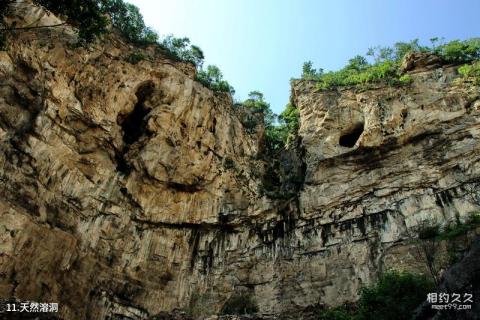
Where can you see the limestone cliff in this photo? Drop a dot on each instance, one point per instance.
(127, 189)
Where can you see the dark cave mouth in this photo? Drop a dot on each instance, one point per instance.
(351, 136)
(133, 125)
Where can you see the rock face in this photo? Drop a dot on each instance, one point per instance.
(464, 276)
(130, 189)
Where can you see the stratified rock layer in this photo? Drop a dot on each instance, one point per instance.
(130, 189)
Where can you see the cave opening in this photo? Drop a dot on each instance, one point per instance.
(133, 125)
(351, 136)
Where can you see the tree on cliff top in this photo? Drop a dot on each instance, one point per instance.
(92, 17)
(384, 64)
(278, 129)
(257, 103)
(212, 78)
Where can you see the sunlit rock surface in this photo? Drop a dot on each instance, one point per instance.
(130, 189)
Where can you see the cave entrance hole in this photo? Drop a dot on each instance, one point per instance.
(351, 136)
(134, 124)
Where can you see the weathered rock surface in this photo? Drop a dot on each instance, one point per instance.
(129, 189)
(462, 277)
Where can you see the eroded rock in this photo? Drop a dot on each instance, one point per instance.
(131, 190)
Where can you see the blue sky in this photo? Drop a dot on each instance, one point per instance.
(262, 44)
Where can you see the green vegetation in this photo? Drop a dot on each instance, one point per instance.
(87, 15)
(289, 122)
(459, 51)
(383, 63)
(339, 313)
(238, 304)
(135, 57)
(128, 20)
(257, 103)
(394, 297)
(471, 72)
(405, 79)
(354, 74)
(212, 78)
(92, 18)
(455, 230)
(286, 128)
(278, 129)
(309, 73)
(181, 49)
(384, 68)
(430, 238)
(452, 230)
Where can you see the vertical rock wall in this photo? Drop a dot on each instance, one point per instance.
(129, 189)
